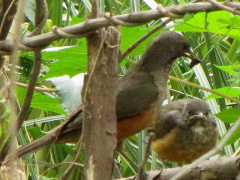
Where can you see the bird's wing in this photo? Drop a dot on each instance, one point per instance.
(166, 122)
(136, 93)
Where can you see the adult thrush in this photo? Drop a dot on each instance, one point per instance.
(140, 93)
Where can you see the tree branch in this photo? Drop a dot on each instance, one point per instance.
(99, 99)
(220, 169)
(223, 7)
(41, 41)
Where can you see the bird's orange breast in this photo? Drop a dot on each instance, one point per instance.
(169, 149)
(133, 125)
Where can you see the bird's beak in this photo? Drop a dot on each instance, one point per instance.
(198, 120)
(189, 54)
(199, 116)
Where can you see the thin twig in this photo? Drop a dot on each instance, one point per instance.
(72, 165)
(11, 100)
(218, 148)
(236, 152)
(56, 165)
(145, 36)
(41, 16)
(7, 13)
(132, 163)
(8, 18)
(118, 173)
(32, 82)
(203, 88)
(39, 89)
(142, 174)
(223, 7)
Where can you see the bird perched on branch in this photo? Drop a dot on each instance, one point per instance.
(184, 131)
(140, 93)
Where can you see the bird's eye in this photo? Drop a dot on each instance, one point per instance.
(185, 48)
(208, 111)
(190, 113)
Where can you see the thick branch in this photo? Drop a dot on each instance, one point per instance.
(93, 24)
(99, 99)
(220, 169)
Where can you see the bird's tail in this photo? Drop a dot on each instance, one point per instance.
(31, 147)
(37, 144)
(69, 131)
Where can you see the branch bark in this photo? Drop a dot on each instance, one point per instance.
(41, 41)
(99, 98)
(220, 169)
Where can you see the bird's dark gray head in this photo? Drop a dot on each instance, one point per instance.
(197, 113)
(174, 43)
(166, 48)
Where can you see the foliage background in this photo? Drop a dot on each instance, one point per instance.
(214, 38)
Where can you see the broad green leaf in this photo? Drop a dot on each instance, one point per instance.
(47, 103)
(229, 69)
(46, 178)
(35, 131)
(131, 35)
(51, 173)
(41, 101)
(194, 24)
(69, 61)
(229, 91)
(220, 22)
(229, 115)
(21, 92)
(76, 20)
(235, 137)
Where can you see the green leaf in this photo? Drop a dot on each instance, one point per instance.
(235, 137)
(194, 24)
(40, 101)
(76, 20)
(51, 173)
(69, 61)
(21, 92)
(228, 115)
(229, 69)
(35, 131)
(131, 35)
(47, 103)
(229, 91)
(220, 22)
